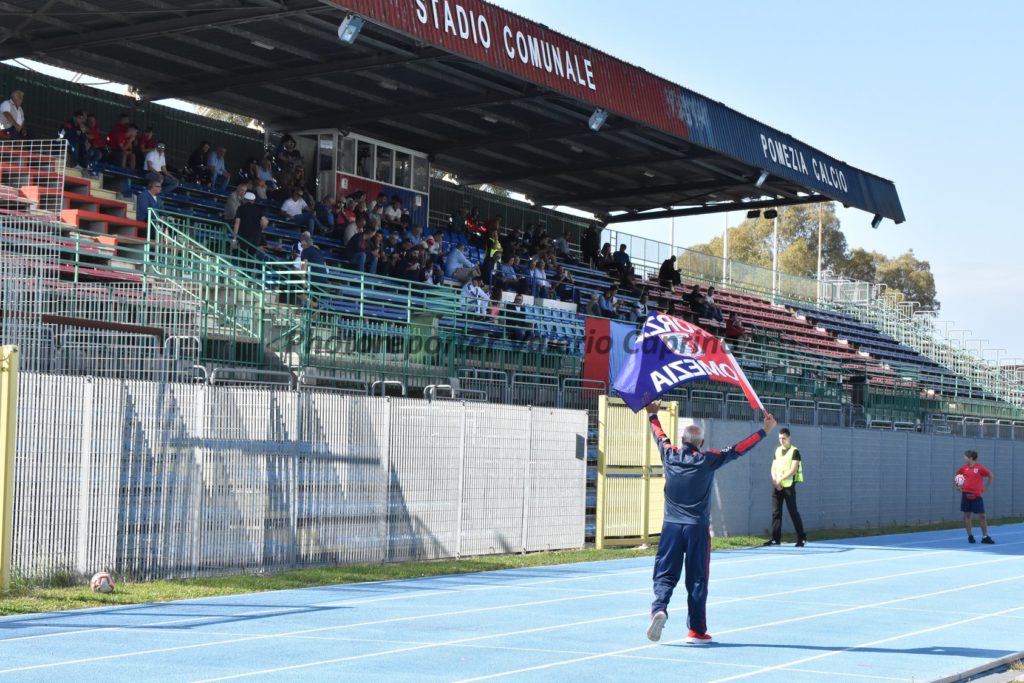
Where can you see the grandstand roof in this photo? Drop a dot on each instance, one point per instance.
(488, 94)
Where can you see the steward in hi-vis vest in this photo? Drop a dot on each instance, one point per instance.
(787, 469)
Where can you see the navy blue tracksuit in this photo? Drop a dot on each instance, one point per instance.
(686, 531)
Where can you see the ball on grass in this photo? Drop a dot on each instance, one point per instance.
(102, 582)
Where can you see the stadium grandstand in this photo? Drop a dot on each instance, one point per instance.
(144, 244)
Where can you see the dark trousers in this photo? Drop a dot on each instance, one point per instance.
(788, 494)
(683, 546)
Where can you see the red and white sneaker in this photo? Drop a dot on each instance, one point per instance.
(694, 638)
(658, 620)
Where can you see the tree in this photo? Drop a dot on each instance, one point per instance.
(225, 116)
(752, 240)
(911, 277)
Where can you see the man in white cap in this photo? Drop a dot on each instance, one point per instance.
(248, 226)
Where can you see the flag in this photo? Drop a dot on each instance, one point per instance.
(669, 352)
(607, 345)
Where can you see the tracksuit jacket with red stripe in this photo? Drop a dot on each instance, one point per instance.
(690, 473)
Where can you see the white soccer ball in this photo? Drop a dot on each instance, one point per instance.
(958, 481)
(102, 582)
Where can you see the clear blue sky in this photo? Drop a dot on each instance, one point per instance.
(928, 95)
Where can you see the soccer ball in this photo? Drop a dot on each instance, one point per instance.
(102, 582)
(958, 481)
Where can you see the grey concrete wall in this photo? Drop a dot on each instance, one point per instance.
(858, 478)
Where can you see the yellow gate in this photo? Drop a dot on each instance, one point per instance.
(630, 482)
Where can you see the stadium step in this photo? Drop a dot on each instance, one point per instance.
(101, 222)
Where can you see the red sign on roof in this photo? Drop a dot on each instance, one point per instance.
(495, 37)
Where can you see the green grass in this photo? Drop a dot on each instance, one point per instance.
(63, 591)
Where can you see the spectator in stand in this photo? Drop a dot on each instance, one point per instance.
(313, 260)
(414, 235)
(361, 252)
(476, 228)
(115, 140)
(148, 199)
(432, 273)
(217, 168)
(517, 326)
(249, 172)
(391, 254)
(668, 275)
(145, 143)
(711, 309)
(474, 296)
(590, 244)
(234, 201)
(507, 278)
(324, 212)
(266, 173)
(97, 140)
(76, 133)
(735, 330)
(156, 162)
(565, 286)
(488, 266)
(391, 216)
(250, 222)
(411, 266)
(458, 226)
(458, 266)
(436, 246)
(641, 308)
(12, 117)
(607, 304)
(695, 300)
(289, 160)
(298, 212)
(605, 259)
(346, 221)
(622, 261)
(539, 284)
(195, 168)
(561, 247)
(131, 135)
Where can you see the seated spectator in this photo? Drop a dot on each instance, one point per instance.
(507, 278)
(249, 172)
(539, 284)
(476, 228)
(348, 222)
(435, 246)
(711, 309)
(131, 134)
(115, 140)
(391, 253)
(622, 261)
(590, 244)
(148, 199)
(605, 259)
(361, 252)
(234, 201)
(517, 326)
(324, 212)
(250, 222)
(458, 266)
(607, 304)
(735, 330)
(298, 212)
(156, 163)
(97, 140)
(695, 300)
(410, 267)
(391, 215)
(217, 169)
(641, 308)
(265, 172)
(144, 144)
(565, 286)
(195, 168)
(12, 117)
(432, 272)
(414, 235)
(668, 275)
(76, 133)
(561, 247)
(474, 297)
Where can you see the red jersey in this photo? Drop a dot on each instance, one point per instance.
(973, 476)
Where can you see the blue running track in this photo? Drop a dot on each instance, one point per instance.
(894, 608)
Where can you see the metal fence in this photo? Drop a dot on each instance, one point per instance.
(156, 479)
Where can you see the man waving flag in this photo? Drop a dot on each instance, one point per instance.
(669, 352)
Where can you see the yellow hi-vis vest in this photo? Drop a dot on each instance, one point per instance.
(782, 464)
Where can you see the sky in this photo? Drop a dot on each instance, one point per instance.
(927, 95)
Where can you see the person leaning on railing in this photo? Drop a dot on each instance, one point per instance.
(250, 222)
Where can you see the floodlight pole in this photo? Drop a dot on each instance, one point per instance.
(725, 249)
(775, 258)
(819, 246)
